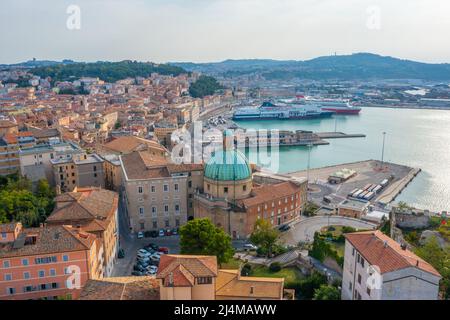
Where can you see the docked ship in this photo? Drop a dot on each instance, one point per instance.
(339, 106)
(270, 111)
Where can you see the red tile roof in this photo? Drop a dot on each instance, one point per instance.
(49, 239)
(94, 205)
(121, 288)
(184, 268)
(382, 251)
(270, 192)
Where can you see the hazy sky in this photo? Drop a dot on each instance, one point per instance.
(213, 30)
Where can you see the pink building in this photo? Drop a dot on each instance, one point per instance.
(48, 262)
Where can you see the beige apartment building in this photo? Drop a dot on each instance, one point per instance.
(35, 161)
(157, 192)
(10, 145)
(124, 145)
(78, 170)
(94, 210)
(112, 172)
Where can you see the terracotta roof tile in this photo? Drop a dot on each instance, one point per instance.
(49, 239)
(186, 267)
(85, 204)
(128, 144)
(382, 251)
(121, 288)
(270, 192)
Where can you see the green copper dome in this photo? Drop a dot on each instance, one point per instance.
(228, 165)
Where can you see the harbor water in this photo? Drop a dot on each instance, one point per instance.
(416, 138)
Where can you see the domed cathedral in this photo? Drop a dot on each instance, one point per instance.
(234, 196)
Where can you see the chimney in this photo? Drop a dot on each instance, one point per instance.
(417, 263)
(385, 243)
(171, 279)
(403, 246)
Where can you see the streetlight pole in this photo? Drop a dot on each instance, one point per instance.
(382, 150)
(309, 160)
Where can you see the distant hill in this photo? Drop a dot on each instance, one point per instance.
(35, 63)
(356, 66)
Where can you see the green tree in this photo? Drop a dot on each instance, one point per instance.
(440, 259)
(204, 86)
(201, 236)
(305, 288)
(264, 235)
(327, 292)
(320, 248)
(19, 203)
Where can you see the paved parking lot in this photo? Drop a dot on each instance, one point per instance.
(124, 266)
(368, 172)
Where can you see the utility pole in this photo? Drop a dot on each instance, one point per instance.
(307, 170)
(382, 150)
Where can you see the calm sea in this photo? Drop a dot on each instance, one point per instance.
(416, 138)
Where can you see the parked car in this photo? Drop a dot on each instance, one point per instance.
(153, 246)
(143, 255)
(152, 269)
(174, 231)
(154, 234)
(161, 232)
(138, 267)
(145, 264)
(168, 232)
(164, 250)
(121, 253)
(284, 228)
(250, 246)
(155, 257)
(142, 258)
(140, 235)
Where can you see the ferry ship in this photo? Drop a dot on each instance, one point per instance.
(270, 111)
(339, 106)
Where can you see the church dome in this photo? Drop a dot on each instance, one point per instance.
(228, 165)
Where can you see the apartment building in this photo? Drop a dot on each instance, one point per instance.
(78, 170)
(36, 161)
(378, 268)
(10, 145)
(47, 262)
(112, 171)
(156, 191)
(95, 211)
